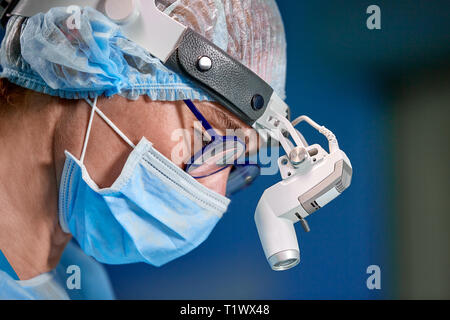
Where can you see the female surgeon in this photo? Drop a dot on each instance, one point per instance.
(87, 120)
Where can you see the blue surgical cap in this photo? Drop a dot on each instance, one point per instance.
(45, 54)
(2, 35)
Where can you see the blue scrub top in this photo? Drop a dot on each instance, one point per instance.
(94, 281)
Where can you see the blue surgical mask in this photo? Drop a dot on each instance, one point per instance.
(154, 212)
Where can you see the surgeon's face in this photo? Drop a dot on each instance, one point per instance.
(160, 122)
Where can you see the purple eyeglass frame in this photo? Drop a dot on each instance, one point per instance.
(216, 139)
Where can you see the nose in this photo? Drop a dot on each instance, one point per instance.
(217, 182)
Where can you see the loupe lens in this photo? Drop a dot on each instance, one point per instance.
(215, 157)
(241, 176)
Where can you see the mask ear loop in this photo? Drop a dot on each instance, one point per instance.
(95, 109)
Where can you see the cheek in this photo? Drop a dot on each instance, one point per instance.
(170, 137)
(217, 182)
(174, 144)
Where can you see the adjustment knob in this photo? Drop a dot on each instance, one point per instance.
(298, 155)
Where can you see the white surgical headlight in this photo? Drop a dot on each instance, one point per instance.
(311, 177)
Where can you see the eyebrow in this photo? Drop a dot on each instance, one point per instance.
(219, 119)
(223, 120)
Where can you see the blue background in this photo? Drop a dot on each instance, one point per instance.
(338, 72)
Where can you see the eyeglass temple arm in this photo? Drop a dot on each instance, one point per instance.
(200, 117)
